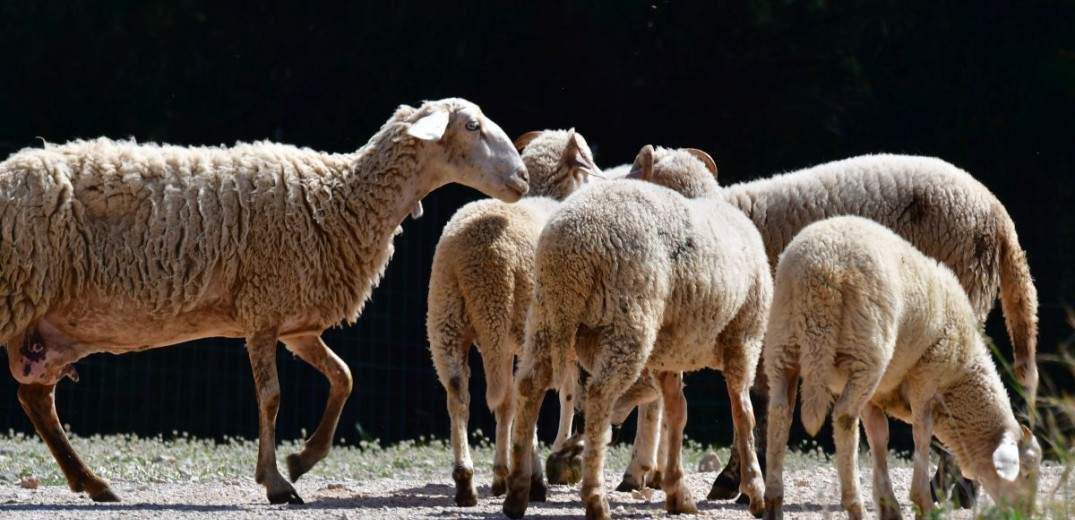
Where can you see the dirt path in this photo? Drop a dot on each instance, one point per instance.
(811, 494)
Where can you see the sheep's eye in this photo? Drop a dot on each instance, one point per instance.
(473, 125)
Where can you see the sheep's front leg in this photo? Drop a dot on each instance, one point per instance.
(678, 497)
(313, 350)
(876, 426)
(922, 431)
(262, 350)
(39, 403)
(750, 479)
(781, 400)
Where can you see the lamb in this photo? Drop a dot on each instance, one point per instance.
(111, 246)
(939, 208)
(480, 289)
(860, 313)
(631, 275)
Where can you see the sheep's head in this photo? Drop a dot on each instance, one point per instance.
(689, 171)
(559, 162)
(461, 145)
(1013, 481)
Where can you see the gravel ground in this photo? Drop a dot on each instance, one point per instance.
(811, 494)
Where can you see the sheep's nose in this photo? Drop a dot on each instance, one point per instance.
(523, 174)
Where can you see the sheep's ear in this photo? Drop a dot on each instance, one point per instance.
(1006, 459)
(643, 166)
(1027, 434)
(525, 139)
(577, 153)
(709, 163)
(430, 127)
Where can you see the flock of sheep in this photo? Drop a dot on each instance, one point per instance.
(867, 279)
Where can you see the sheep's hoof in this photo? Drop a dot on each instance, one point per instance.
(627, 485)
(889, 511)
(515, 503)
(564, 467)
(655, 481)
(465, 495)
(680, 503)
(287, 496)
(295, 467)
(105, 495)
(966, 493)
(538, 490)
(725, 487)
(597, 508)
(499, 487)
(774, 508)
(756, 507)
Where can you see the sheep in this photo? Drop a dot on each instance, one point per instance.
(861, 314)
(113, 246)
(480, 288)
(939, 208)
(632, 275)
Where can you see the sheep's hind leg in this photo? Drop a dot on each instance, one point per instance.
(453, 371)
(261, 348)
(750, 477)
(39, 403)
(876, 425)
(313, 350)
(678, 497)
(644, 453)
(564, 464)
(498, 397)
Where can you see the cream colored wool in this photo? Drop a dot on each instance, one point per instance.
(661, 281)
(113, 246)
(859, 313)
(480, 288)
(939, 208)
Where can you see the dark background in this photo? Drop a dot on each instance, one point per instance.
(763, 86)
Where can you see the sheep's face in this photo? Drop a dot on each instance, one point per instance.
(689, 171)
(559, 162)
(1016, 464)
(462, 145)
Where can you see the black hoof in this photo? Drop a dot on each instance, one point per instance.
(105, 496)
(514, 505)
(465, 498)
(499, 487)
(538, 490)
(723, 490)
(743, 500)
(287, 497)
(626, 486)
(294, 467)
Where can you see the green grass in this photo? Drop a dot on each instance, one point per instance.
(181, 458)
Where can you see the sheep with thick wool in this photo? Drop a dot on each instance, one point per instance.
(657, 280)
(112, 246)
(861, 314)
(480, 289)
(939, 208)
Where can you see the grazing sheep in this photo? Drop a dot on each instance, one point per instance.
(657, 280)
(480, 289)
(942, 210)
(111, 246)
(860, 313)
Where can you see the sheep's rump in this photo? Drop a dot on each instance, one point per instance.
(157, 224)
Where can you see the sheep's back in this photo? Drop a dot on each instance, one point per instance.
(940, 209)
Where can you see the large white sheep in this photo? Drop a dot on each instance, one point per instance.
(859, 313)
(653, 279)
(939, 208)
(480, 289)
(110, 246)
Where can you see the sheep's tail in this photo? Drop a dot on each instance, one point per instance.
(803, 332)
(816, 398)
(1019, 300)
